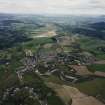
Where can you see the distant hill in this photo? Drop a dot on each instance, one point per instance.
(15, 28)
(93, 30)
(98, 26)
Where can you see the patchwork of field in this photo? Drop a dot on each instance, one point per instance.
(55, 52)
(92, 45)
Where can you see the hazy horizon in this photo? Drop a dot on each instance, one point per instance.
(66, 7)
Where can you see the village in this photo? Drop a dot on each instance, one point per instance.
(68, 66)
(52, 60)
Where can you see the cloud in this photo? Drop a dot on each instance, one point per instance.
(53, 6)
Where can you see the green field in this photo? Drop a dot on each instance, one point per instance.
(93, 88)
(96, 67)
(54, 100)
(35, 43)
(90, 44)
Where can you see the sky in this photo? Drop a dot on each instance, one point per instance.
(91, 7)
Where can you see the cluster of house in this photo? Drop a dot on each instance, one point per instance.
(31, 62)
(46, 55)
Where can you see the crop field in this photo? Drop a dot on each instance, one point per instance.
(96, 67)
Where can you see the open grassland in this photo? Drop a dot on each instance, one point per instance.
(94, 88)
